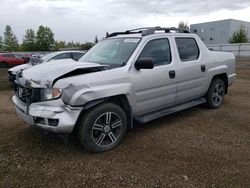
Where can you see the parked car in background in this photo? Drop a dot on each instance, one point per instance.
(12, 59)
(75, 55)
(39, 55)
(37, 59)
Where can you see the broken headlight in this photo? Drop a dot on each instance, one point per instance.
(51, 93)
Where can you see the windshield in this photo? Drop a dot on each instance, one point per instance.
(49, 56)
(112, 51)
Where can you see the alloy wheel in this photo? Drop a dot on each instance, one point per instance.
(106, 129)
(218, 94)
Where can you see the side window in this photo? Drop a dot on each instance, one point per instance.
(18, 56)
(187, 48)
(159, 50)
(76, 56)
(62, 56)
(8, 55)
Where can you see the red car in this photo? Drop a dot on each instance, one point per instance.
(11, 59)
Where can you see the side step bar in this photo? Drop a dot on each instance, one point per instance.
(154, 115)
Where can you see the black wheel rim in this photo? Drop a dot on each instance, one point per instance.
(218, 94)
(106, 129)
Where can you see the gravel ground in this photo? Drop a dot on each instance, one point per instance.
(194, 148)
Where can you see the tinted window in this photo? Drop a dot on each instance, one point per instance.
(76, 56)
(159, 50)
(187, 48)
(63, 56)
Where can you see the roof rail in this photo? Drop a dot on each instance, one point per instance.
(149, 31)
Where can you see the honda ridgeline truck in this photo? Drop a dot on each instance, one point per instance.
(133, 76)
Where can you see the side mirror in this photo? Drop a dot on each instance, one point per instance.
(144, 63)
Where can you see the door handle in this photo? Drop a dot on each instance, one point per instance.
(203, 68)
(172, 74)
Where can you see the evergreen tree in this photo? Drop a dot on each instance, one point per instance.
(239, 36)
(45, 39)
(10, 39)
(183, 25)
(86, 46)
(1, 43)
(70, 44)
(96, 40)
(60, 44)
(29, 41)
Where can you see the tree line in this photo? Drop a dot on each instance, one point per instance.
(41, 40)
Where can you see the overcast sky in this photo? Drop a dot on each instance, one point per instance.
(81, 20)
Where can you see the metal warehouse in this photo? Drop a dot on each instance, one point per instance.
(218, 32)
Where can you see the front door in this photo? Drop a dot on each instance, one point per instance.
(154, 89)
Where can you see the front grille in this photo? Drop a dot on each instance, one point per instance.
(27, 95)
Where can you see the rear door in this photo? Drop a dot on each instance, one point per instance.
(155, 88)
(192, 72)
(19, 59)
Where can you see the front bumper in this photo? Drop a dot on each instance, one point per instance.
(65, 115)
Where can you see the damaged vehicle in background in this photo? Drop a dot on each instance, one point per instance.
(137, 75)
(35, 60)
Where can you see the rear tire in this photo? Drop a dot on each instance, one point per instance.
(215, 94)
(102, 128)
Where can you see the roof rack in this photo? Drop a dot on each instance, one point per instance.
(149, 31)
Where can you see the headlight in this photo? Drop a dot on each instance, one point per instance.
(51, 93)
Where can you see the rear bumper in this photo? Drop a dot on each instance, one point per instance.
(231, 79)
(65, 116)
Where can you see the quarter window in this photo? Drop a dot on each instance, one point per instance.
(158, 50)
(187, 48)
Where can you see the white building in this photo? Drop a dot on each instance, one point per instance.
(218, 32)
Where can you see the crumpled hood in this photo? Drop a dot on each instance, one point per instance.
(44, 74)
(15, 69)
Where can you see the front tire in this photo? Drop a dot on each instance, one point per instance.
(102, 128)
(215, 94)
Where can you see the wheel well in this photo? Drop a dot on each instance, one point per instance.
(120, 100)
(224, 78)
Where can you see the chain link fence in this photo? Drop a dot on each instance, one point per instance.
(240, 50)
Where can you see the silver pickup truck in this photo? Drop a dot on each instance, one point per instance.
(132, 76)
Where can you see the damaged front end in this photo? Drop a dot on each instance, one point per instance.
(44, 108)
(41, 105)
(24, 91)
(29, 91)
